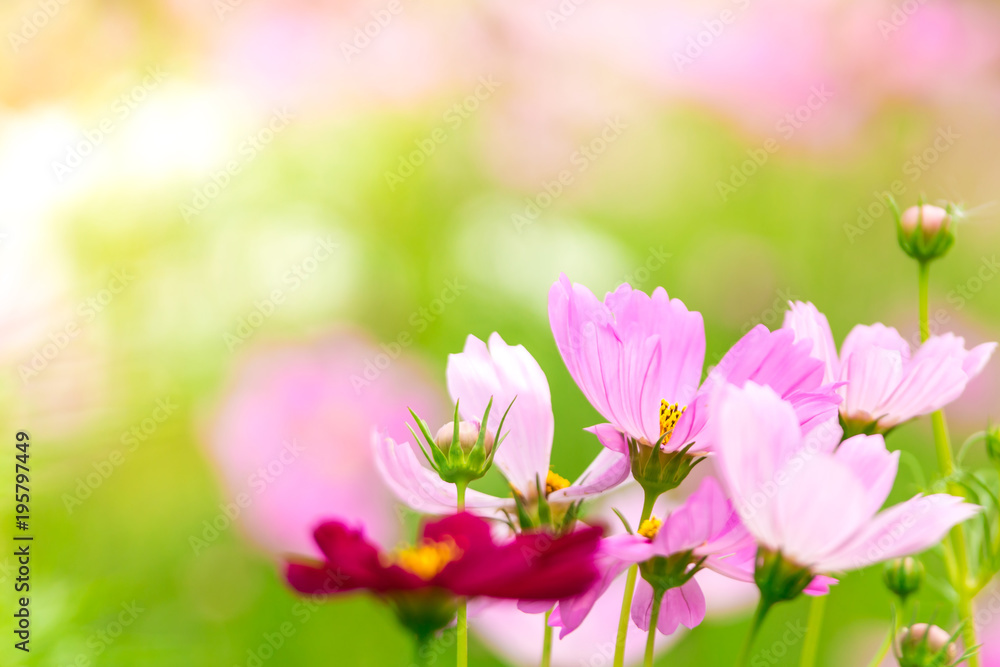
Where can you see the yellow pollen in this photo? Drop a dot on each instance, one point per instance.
(428, 559)
(554, 482)
(650, 527)
(670, 414)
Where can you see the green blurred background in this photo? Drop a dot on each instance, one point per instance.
(119, 128)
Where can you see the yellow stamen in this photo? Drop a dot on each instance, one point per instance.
(650, 527)
(428, 559)
(670, 414)
(554, 482)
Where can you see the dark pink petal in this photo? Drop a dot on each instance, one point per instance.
(534, 566)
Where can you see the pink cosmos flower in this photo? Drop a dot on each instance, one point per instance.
(704, 532)
(290, 437)
(813, 502)
(457, 554)
(884, 384)
(503, 372)
(638, 358)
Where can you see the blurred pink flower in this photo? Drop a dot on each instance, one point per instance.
(502, 372)
(291, 438)
(883, 384)
(814, 499)
(988, 626)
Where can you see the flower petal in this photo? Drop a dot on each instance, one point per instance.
(873, 466)
(607, 471)
(902, 530)
(503, 372)
(682, 606)
(809, 324)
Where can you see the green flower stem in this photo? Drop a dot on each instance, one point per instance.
(547, 642)
(810, 649)
(651, 638)
(422, 655)
(763, 607)
(462, 627)
(942, 443)
(633, 573)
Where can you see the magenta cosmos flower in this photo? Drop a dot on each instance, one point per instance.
(884, 383)
(638, 359)
(455, 557)
(503, 372)
(813, 502)
(704, 532)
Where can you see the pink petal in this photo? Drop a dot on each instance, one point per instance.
(756, 434)
(606, 472)
(902, 530)
(504, 372)
(876, 336)
(681, 606)
(642, 605)
(817, 508)
(872, 374)
(873, 466)
(610, 437)
(703, 515)
(811, 325)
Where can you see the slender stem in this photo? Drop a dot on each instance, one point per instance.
(924, 279)
(462, 627)
(945, 456)
(633, 573)
(893, 631)
(883, 650)
(653, 618)
(547, 642)
(763, 607)
(810, 649)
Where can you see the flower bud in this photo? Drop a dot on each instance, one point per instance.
(468, 435)
(903, 576)
(930, 219)
(926, 232)
(923, 645)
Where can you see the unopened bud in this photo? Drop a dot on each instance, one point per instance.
(926, 232)
(923, 645)
(468, 435)
(930, 219)
(903, 576)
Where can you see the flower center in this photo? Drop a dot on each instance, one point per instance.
(554, 482)
(428, 559)
(650, 527)
(670, 414)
